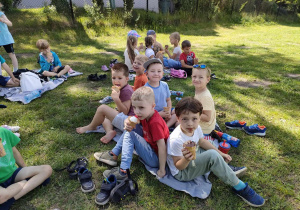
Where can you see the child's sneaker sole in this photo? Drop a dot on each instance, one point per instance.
(256, 134)
(87, 191)
(102, 203)
(108, 162)
(237, 128)
(241, 172)
(250, 204)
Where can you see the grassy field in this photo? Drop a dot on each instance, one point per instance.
(263, 54)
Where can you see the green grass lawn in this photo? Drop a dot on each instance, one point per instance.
(255, 53)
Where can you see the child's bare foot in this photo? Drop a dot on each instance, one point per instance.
(81, 130)
(108, 137)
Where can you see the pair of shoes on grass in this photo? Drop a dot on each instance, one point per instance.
(176, 93)
(166, 78)
(79, 171)
(258, 130)
(95, 77)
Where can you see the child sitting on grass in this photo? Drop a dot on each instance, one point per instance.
(186, 165)
(149, 51)
(108, 116)
(131, 51)
(138, 66)
(163, 103)
(151, 148)
(187, 57)
(157, 47)
(173, 61)
(7, 81)
(200, 79)
(49, 61)
(17, 182)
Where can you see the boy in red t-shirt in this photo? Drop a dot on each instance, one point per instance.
(151, 148)
(187, 57)
(138, 66)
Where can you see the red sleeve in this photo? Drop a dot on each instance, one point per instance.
(159, 131)
(181, 56)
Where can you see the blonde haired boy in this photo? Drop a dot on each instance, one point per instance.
(151, 147)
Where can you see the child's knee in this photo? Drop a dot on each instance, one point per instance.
(47, 170)
(67, 67)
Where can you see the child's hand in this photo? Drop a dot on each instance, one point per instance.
(196, 61)
(55, 68)
(163, 114)
(1, 19)
(127, 125)
(226, 157)
(15, 80)
(115, 94)
(187, 154)
(161, 173)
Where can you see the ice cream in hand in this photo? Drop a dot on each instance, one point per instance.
(191, 146)
(133, 121)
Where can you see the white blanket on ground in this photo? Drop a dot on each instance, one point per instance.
(15, 93)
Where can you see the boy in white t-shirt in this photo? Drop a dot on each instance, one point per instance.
(186, 166)
(174, 61)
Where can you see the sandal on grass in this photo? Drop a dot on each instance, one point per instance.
(77, 164)
(85, 178)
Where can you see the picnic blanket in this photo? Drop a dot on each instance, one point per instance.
(200, 187)
(16, 94)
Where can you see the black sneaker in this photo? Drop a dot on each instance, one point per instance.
(239, 171)
(250, 196)
(85, 178)
(107, 185)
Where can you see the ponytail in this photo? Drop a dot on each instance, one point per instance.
(131, 41)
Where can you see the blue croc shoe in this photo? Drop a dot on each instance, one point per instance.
(107, 185)
(250, 196)
(255, 130)
(85, 178)
(236, 124)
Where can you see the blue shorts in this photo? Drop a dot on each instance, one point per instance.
(4, 80)
(6, 184)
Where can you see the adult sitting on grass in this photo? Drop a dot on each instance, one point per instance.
(107, 116)
(17, 182)
(7, 81)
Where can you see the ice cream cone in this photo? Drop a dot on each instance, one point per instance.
(2, 151)
(133, 121)
(167, 109)
(191, 147)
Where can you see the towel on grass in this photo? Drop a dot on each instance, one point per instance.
(16, 94)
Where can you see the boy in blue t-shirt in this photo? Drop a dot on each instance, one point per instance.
(7, 81)
(49, 61)
(154, 71)
(16, 182)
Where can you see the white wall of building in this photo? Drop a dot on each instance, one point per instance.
(138, 4)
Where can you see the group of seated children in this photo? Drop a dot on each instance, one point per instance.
(149, 101)
(184, 59)
(153, 143)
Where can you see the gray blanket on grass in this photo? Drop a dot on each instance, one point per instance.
(200, 187)
(16, 94)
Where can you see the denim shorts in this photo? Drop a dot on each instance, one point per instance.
(4, 80)
(6, 184)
